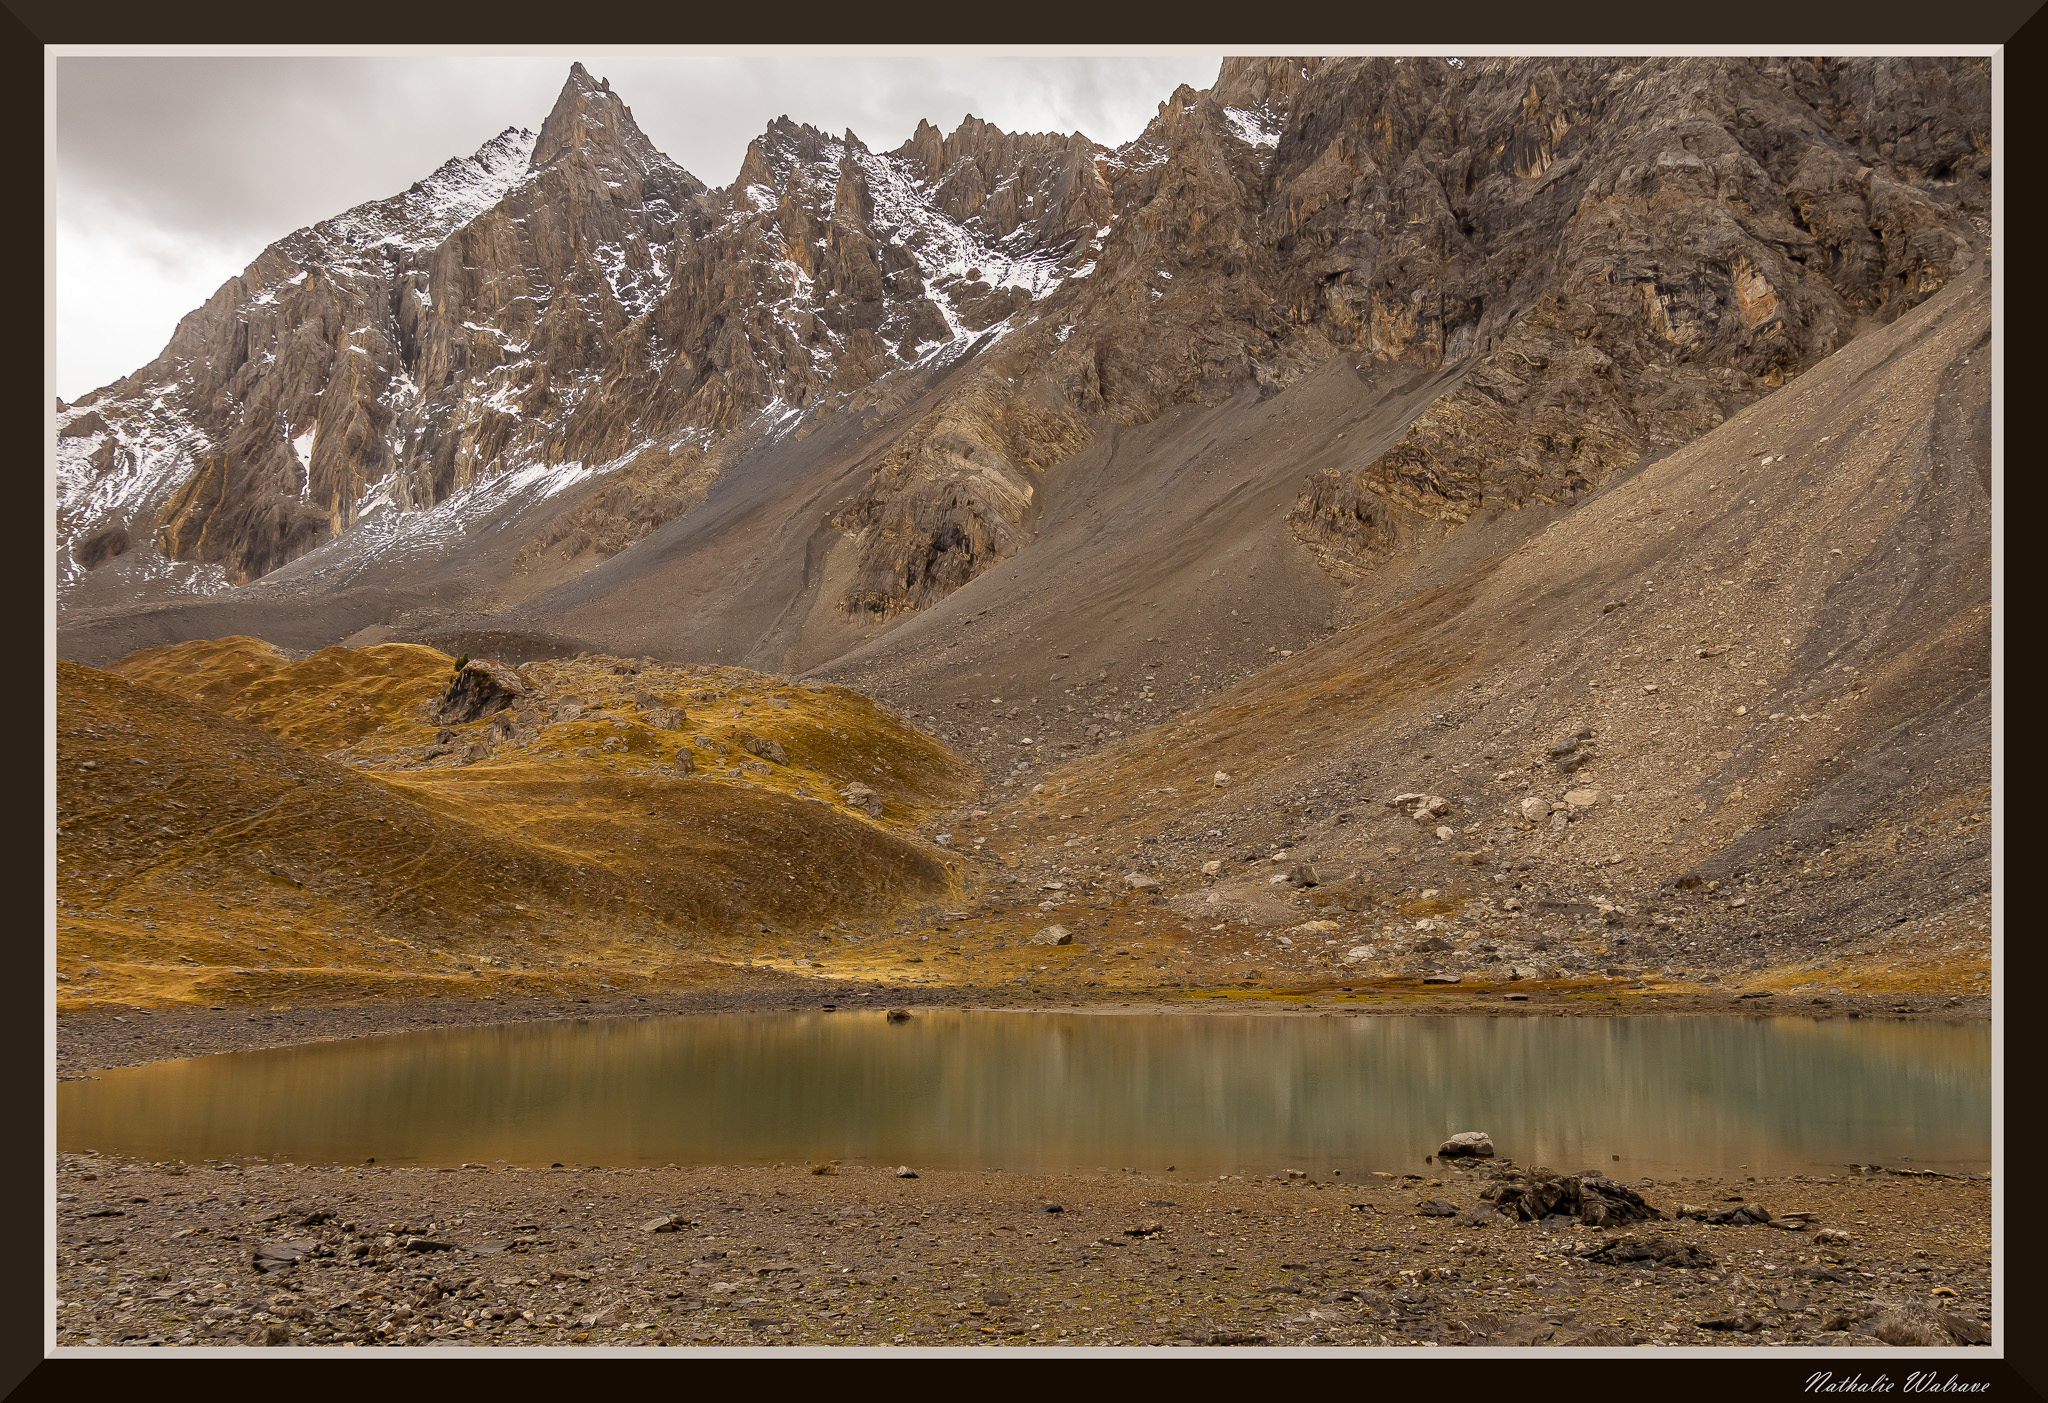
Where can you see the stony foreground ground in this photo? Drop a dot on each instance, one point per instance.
(173, 1254)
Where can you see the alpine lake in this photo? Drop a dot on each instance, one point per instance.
(1194, 1094)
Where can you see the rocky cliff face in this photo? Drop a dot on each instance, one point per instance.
(390, 358)
(1627, 255)
(1607, 256)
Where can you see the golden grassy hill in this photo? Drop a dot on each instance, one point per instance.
(203, 856)
(334, 697)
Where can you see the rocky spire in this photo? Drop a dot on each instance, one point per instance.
(591, 118)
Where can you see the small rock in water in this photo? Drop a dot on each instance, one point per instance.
(1467, 1142)
(898, 1015)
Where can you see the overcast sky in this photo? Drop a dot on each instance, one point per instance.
(173, 173)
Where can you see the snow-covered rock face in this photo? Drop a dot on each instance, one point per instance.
(544, 310)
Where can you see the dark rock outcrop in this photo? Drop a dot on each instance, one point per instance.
(478, 690)
(1536, 1194)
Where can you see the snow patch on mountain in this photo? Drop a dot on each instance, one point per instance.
(1256, 126)
(385, 530)
(946, 251)
(146, 452)
(436, 207)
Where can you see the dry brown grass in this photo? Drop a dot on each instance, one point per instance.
(233, 864)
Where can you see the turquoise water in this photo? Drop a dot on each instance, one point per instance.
(1202, 1093)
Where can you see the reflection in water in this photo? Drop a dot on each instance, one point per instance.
(1204, 1093)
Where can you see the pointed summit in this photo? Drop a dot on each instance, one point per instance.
(590, 117)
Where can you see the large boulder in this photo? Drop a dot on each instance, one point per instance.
(478, 689)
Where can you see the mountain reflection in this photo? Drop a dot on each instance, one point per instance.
(1203, 1093)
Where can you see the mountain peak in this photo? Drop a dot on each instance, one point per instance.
(589, 116)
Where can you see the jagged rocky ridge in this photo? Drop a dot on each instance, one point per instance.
(553, 306)
(1602, 257)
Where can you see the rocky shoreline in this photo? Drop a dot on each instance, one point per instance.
(266, 1254)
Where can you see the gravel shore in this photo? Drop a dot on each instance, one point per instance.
(167, 1254)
